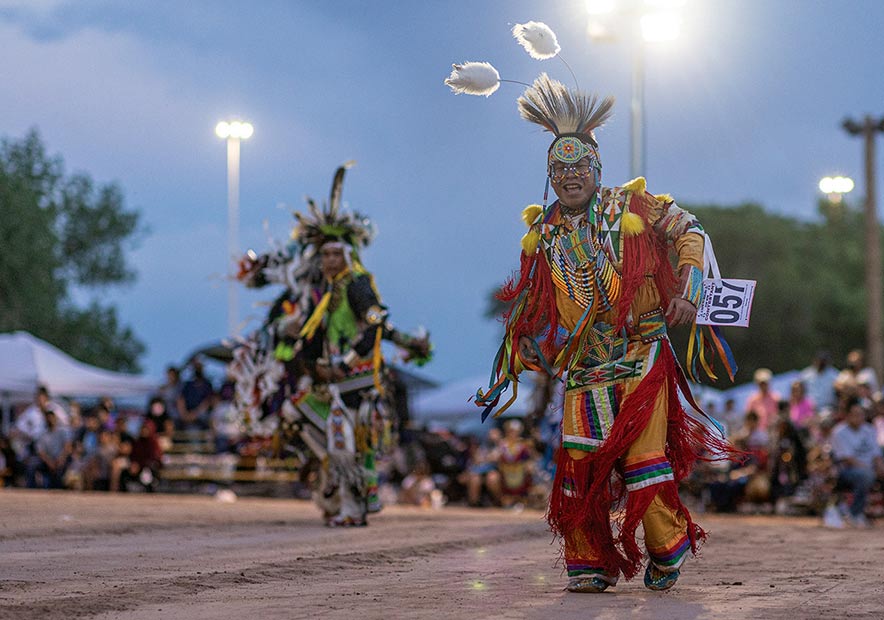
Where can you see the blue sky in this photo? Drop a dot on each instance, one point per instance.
(746, 105)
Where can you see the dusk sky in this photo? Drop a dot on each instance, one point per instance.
(745, 105)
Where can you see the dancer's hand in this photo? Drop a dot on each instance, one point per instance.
(680, 312)
(526, 350)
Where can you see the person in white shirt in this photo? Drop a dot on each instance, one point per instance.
(819, 381)
(858, 457)
(30, 425)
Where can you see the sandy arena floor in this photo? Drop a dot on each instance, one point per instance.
(68, 555)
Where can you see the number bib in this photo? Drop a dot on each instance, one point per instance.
(726, 302)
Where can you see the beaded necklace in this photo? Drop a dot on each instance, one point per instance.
(579, 265)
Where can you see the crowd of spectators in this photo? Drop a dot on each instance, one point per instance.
(101, 447)
(51, 447)
(817, 450)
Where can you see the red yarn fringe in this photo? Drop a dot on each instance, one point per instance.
(539, 314)
(644, 254)
(594, 493)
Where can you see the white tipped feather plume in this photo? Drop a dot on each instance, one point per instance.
(473, 78)
(538, 39)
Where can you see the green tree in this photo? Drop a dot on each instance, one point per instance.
(62, 234)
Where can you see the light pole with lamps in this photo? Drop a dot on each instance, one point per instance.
(835, 187)
(658, 21)
(234, 132)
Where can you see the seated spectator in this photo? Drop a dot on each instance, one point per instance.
(121, 450)
(753, 438)
(8, 463)
(108, 404)
(878, 422)
(417, 488)
(146, 458)
(99, 473)
(170, 391)
(53, 449)
(86, 444)
(748, 480)
(801, 408)
(855, 374)
(224, 419)
(858, 458)
(819, 380)
(31, 424)
(105, 422)
(763, 402)
(481, 477)
(514, 463)
(196, 399)
(162, 421)
(788, 457)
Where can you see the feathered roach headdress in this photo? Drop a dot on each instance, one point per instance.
(570, 115)
(331, 223)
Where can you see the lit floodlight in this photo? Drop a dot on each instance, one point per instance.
(237, 130)
(836, 185)
(222, 129)
(600, 7)
(660, 26)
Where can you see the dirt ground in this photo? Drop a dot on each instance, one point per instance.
(68, 555)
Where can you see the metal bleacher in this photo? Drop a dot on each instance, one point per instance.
(191, 460)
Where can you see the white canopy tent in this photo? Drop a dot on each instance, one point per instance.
(27, 361)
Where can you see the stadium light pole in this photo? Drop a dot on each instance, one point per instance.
(658, 21)
(234, 132)
(868, 128)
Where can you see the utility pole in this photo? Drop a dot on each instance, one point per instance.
(874, 338)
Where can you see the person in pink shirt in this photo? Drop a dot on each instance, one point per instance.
(764, 402)
(801, 408)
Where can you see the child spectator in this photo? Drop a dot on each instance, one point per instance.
(481, 474)
(146, 458)
(514, 464)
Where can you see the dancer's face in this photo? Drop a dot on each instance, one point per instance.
(332, 260)
(574, 184)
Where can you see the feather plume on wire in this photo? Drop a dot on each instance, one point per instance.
(550, 104)
(538, 39)
(473, 78)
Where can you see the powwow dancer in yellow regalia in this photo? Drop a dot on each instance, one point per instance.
(590, 305)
